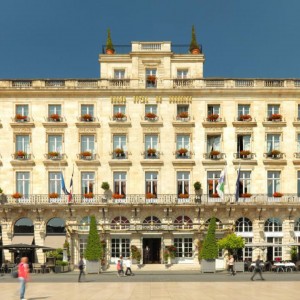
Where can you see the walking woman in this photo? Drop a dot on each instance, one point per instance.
(23, 275)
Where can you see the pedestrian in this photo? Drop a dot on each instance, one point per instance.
(257, 268)
(128, 267)
(81, 265)
(122, 265)
(119, 268)
(231, 265)
(23, 275)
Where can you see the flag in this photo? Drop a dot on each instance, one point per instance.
(237, 185)
(63, 185)
(70, 198)
(221, 185)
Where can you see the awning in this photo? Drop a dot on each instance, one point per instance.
(55, 241)
(22, 239)
(15, 247)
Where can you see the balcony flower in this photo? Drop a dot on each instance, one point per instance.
(86, 153)
(183, 115)
(151, 79)
(212, 117)
(20, 153)
(182, 151)
(275, 117)
(119, 116)
(20, 117)
(150, 196)
(150, 116)
(17, 195)
(246, 195)
(214, 153)
(118, 196)
(55, 117)
(89, 195)
(53, 154)
(277, 194)
(244, 153)
(183, 196)
(53, 195)
(245, 118)
(87, 117)
(215, 195)
(151, 151)
(119, 151)
(274, 154)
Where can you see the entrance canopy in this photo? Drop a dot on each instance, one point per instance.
(16, 247)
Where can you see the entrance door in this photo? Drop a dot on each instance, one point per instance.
(151, 250)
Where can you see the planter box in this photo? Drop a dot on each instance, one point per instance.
(92, 267)
(239, 266)
(61, 269)
(208, 266)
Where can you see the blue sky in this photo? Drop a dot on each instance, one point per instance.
(62, 38)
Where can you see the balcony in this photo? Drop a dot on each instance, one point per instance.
(87, 158)
(244, 121)
(213, 121)
(244, 158)
(274, 157)
(274, 120)
(296, 160)
(55, 156)
(21, 155)
(21, 158)
(21, 121)
(214, 158)
(151, 154)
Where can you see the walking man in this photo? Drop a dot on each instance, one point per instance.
(231, 265)
(128, 267)
(257, 268)
(23, 275)
(81, 266)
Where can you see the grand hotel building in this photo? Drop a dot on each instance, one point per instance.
(153, 96)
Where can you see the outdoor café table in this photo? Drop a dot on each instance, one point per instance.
(279, 266)
(289, 266)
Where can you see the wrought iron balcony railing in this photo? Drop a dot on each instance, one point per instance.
(214, 156)
(55, 156)
(241, 155)
(150, 155)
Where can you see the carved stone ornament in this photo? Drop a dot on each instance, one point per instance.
(87, 130)
(244, 129)
(118, 99)
(22, 129)
(181, 99)
(119, 130)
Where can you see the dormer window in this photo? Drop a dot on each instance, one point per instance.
(182, 74)
(119, 74)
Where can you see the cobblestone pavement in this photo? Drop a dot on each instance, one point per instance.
(173, 285)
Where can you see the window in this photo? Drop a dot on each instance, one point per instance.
(276, 251)
(119, 109)
(150, 78)
(213, 110)
(298, 143)
(23, 226)
(119, 74)
(245, 254)
(55, 182)
(212, 182)
(182, 109)
(120, 183)
(273, 182)
(56, 226)
(54, 110)
(184, 247)
(82, 244)
(213, 143)
(244, 183)
(243, 109)
(273, 109)
(23, 183)
(151, 222)
(87, 143)
(182, 74)
(298, 115)
(55, 143)
(120, 247)
(119, 146)
(22, 110)
(151, 184)
(182, 146)
(243, 225)
(87, 182)
(151, 109)
(85, 223)
(273, 142)
(297, 225)
(87, 110)
(120, 222)
(22, 143)
(183, 183)
(273, 225)
(298, 183)
(151, 142)
(243, 143)
(183, 222)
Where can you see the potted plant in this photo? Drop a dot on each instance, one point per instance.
(275, 117)
(118, 196)
(209, 251)
(294, 253)
(20, 118)
(94, 250)
(150, 196)
(277, 194)
(151, 152)
(246, 195)
(232, 243)
(150, 116)
(89, 195)
(214, 154)
(166, 256)
(135, 254)
(20, 154)
(119, 116)
(53, 195)
(53, 154)
(275, 154)
(197, 186)
(17, 195)
(244, 153)
(182, 151)
(212, 117)
(215, 195)
(245, 117)
(194, 46)
(183, 115)
(86, 154)
(183, 196)
(119, 152)
(151, 79)
(109, 45)
(55, 117)
(87, 118)
(105, 186)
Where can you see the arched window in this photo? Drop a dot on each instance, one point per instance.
(24, 226)
(151, 222)
(183, 222)
(120, 222)
(297, 225)
(243, 225)
(56, 226)
(85, 223)
(219, 224)
(273, 225)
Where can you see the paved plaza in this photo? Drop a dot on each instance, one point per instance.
(166, 285)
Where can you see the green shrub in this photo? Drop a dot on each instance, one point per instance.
(194, 44)
(109, 44)
(210, 247)
(105, 186)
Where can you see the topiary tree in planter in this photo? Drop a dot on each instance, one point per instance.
(94, 251)
(109, 45)
(209, 251)
(105, 186)
(194, 46)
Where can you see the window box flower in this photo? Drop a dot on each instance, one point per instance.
(119, 116)
(53, 154)
(20, 118)
(87, 118)
(183, 196)
(214, 154)
(151, 79)
(215, 195)
(275, 117)
(53, 195)
(245, 118)
(246, 195)
(89, 195)
(150, 196)
(183, 115)
(274, 154)
(151, 116)
(17, 195)
(244, 153)
(118, 196)
(20, 154)
(55, 117)
(277, 194)
(212, 117)
(119, 152)
(151, 151)
(86, 154)
(182, 151)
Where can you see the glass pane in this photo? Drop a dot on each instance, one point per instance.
(54, 109)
